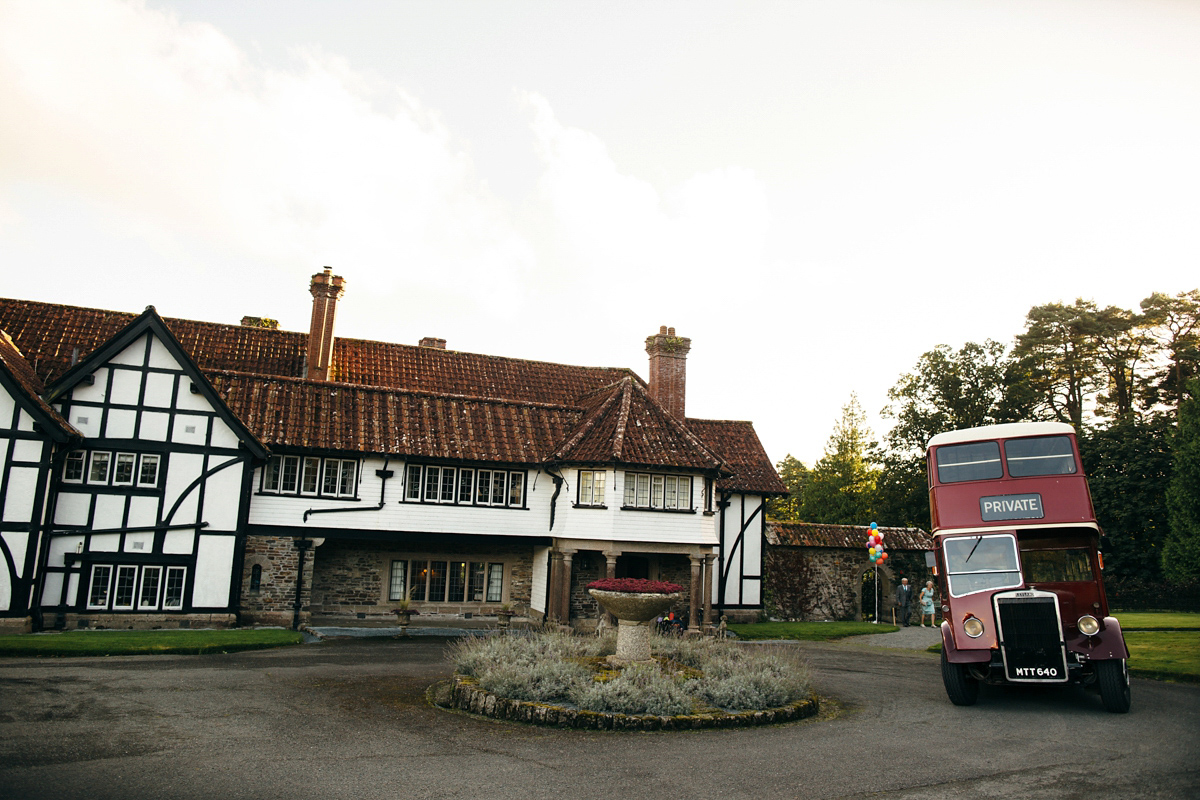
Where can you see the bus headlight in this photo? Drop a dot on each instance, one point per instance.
(973, 627)
(1088, 625)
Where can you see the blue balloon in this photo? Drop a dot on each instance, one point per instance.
(874, 526)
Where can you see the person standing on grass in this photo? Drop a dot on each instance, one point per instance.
(927, 603)
(904, 601)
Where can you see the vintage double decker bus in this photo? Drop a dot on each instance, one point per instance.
(1017, 556)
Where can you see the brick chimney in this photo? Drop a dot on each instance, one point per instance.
(326, 289)
(434, 342)
(668, 369)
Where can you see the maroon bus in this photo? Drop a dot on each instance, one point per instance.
(1018, 562)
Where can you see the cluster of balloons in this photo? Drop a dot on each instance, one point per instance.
(875, 545)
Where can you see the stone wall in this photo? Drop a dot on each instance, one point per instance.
(142, 622)
(826, 583)
(272, 603)
(351, 576)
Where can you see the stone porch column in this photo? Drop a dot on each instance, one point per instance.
(554, 595)
(565, 588)
(694, 609)
(610, 571)
(708, 589)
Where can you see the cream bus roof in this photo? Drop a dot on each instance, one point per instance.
(1006, 431)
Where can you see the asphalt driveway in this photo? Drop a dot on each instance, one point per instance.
(348, 719)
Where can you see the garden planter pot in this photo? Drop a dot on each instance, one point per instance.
(634, 611)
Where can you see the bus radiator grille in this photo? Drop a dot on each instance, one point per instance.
(1032, 640)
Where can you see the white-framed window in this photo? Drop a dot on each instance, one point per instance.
(430, 483)
(173, 589)
(123, 469)
(73, 466)
(99, 586)
(310, 475)
(123, 588)
(657, 491)
(148, 473)
(98, 471)
(149, 587)
(128, 587)
(591, 487)
(466, 484)
(446, 580)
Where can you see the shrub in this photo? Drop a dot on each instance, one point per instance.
(638, 689)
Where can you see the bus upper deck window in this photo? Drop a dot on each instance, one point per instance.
(1045, 455)
(976, 461)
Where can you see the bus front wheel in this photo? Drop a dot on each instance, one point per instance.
(1113, 679)
(961, 688)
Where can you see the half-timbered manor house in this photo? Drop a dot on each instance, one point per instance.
(159, 472)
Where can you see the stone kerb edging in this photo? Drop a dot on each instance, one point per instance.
(466, 695)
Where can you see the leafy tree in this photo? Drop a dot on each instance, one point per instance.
(841, 485)
(794, 475)
(1181, 553)
(902, 491)
(1174, 322)
(948, 390)
(1123, 343)
(1128, 464)
(1060, 350)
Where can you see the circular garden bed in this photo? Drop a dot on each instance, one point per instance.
(550, 678)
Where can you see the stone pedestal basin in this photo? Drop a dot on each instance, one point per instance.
(634, 611)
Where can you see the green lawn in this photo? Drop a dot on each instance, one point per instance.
(122, 643)
(808, 631)
(1157, 620)
(1156, 654)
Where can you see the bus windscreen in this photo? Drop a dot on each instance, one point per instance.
(980, 563)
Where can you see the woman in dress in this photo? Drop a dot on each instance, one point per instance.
(927, 603)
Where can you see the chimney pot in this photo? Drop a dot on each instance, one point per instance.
(326, 289)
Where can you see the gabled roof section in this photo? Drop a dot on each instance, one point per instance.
(623, 425)
(27, 388)
(738, 446)
(54, 337)
(150, 322)
(814, 534)
(342, 417)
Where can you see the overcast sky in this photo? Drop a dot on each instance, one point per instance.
(815, 193)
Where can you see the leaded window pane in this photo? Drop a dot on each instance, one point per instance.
(495, 587)
(466, 482)
(148, 475)
(420, 576)
(151, 579)
(475, 587)
(630, 489)
(458, 582)
(398, 580)
(483, 491)
(437, 581)
(414, 482)
(123, 470)
(270, 473)
(312, 473)
(585, 487)
(643, 491)
(656, 491)
(99, 471)
(498, 488)
(349, 468)
(123, 590)
(329, 477)
(669, 492)
(98, 594)
(173, 592)
(290, 474)
(447, 485)
(433, 476)
(516, 483)
(73, 468)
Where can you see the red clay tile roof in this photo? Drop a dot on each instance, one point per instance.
(29, 385)
(738, 446)
(815, 534)
(622, 425)
(318, 415)
(421, 401)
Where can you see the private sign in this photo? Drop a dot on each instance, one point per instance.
(1011, 506)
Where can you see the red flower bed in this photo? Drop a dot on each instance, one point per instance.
(635, 585)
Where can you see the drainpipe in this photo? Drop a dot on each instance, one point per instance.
(302, 545)
(558, 483)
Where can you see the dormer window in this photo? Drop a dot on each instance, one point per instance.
(591, 488)
(431, 483)
(658, 492)
(304, 475)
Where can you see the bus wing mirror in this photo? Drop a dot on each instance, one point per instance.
(930, 558)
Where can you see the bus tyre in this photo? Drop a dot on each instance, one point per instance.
(1113, 679)
(961, 688)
